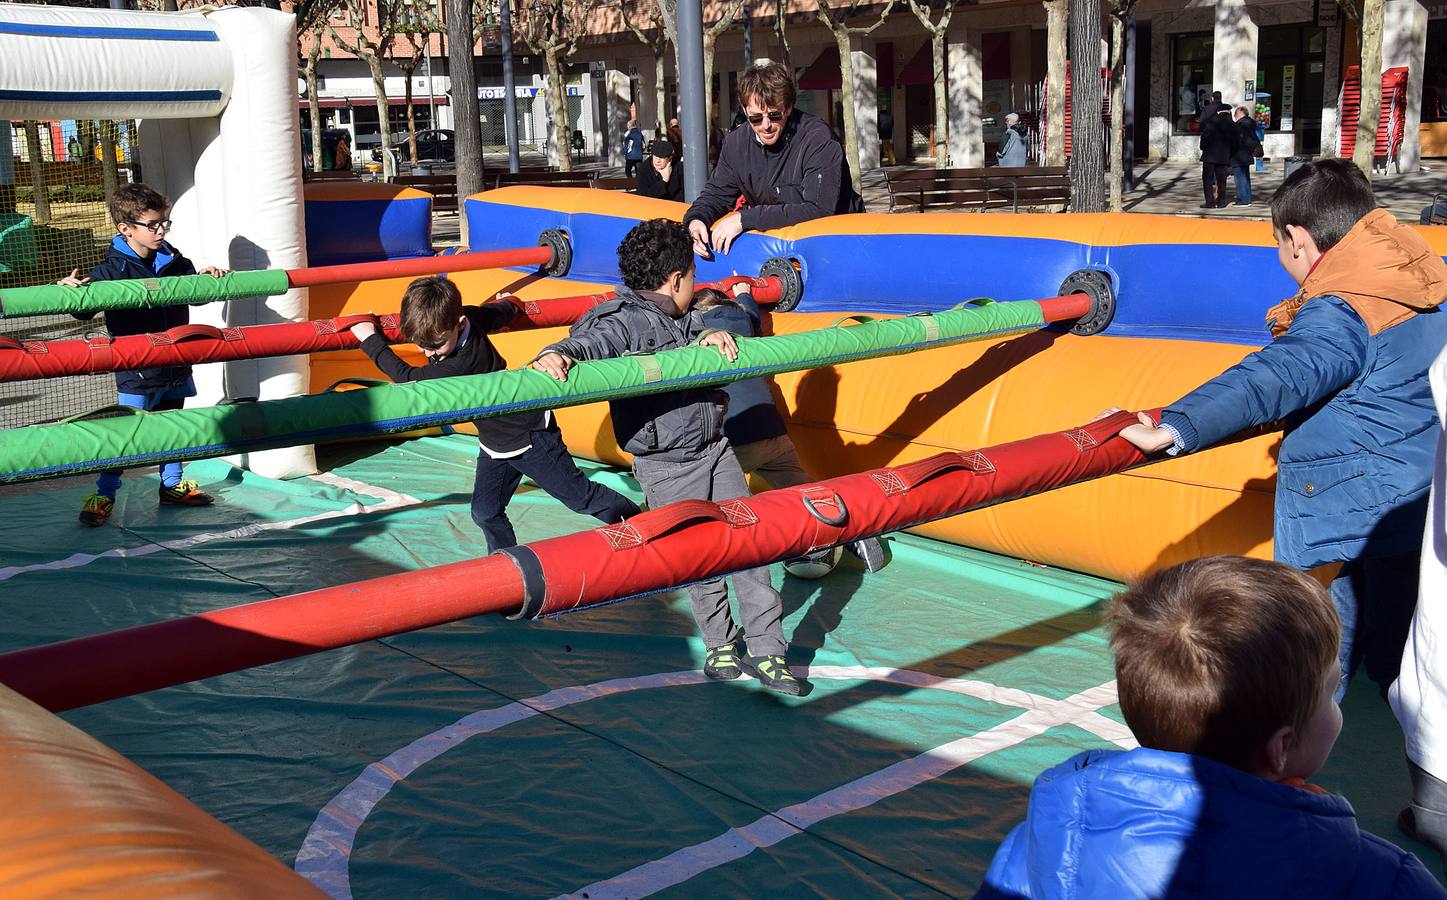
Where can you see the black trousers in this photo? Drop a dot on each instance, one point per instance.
(550, 467)
(1213, 182)
(629, 165)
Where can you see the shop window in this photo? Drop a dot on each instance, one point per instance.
(1434, 73)
(1290, 78)
(1191, 68)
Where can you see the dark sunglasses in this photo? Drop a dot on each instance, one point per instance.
(153, 227)
(758, 118)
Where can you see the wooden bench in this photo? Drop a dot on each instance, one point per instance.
(987, 188)
(443, 189)
(616, 184)
(308, 176)
(544, 179)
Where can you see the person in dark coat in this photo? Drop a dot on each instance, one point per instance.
(786, 166)
(1218, 146)
(660, 175)
(1244, 156)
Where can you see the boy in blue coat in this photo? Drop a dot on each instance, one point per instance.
(1347, 371)
(1226, 668)
(140, 250)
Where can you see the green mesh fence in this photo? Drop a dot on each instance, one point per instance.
(53, 220)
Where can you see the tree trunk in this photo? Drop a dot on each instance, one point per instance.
(661, 91)
(314, 106)
(1371, 78)
(1057, 19)
(411, 118)
(780, 19)
(468, 129)
(1087, 132)
(709, 40)
(110, 178)
(942, 101)
(37, 174)
(846, 92)
(558, 98)
(1117, 113)
(379, 84)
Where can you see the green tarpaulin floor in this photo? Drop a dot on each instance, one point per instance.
(586, 754)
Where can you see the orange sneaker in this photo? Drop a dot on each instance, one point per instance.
(187, 493)
(96, 509)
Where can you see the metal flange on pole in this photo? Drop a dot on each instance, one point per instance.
(556, 239)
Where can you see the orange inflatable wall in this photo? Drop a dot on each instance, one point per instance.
(881, 412)
(80, 819)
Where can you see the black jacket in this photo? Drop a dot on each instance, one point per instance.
(477, 356)
(651, 184)
(801, 177)
(753, 415)
(676, 426)
(1246, 142)
(121, 263)
(1218, 138)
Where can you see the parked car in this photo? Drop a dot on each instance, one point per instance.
(437, 144)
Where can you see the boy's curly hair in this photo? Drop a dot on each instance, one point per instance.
(652, 251)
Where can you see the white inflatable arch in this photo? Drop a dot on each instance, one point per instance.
(215, 91)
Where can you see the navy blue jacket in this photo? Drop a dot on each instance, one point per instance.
(753, 415)
(1147, 823)
(120, 263)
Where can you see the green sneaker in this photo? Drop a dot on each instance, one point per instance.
(773, 673)
(96, 509)
(187, 493)
(722, 663)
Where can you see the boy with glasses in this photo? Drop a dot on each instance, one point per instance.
(783, 169)
(140, 250)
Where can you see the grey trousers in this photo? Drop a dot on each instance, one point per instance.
(715, 475)
(775, 460)
(1429, 807)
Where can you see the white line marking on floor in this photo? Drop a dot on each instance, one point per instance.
(325, 853)
(390, 500)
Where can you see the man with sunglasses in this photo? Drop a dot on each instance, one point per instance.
(140, 250)
(785, 167)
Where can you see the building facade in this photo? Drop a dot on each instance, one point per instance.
(1291, 61)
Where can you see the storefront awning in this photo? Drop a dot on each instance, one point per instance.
(823, 72)
(919, 70)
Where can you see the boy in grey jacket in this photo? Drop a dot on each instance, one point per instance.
(677, 441)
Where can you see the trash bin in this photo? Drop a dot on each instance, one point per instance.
(421, 169)
(1293, 163)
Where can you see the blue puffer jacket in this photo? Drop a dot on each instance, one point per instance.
(753, 415)
(1349, 377)
(1147, 823)
(121, 262)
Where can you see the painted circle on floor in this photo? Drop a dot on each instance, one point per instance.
(325, 853)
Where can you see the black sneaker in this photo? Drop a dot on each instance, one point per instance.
(1208, 206)
(722, 663)
(871, 552)
(773, 673)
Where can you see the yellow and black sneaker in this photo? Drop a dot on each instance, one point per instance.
(773, 673)
(187, 493)
(722, 663)
(96, 509)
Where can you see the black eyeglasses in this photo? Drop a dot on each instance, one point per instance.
(153, 227)
(773, 114)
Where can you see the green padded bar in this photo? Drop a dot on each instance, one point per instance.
(177, 290)
(47, 451)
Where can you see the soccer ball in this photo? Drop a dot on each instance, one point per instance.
(815, 565)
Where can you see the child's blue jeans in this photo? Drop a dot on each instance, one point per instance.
(1375, 599)
(109, 483)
